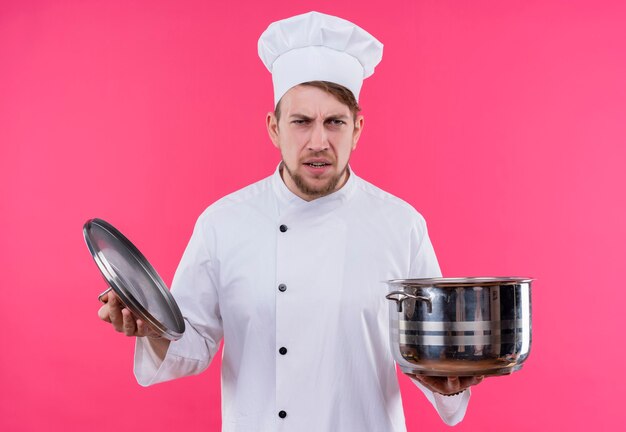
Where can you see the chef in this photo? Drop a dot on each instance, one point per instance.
(287, 271)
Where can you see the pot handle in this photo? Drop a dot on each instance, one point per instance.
(400, 296)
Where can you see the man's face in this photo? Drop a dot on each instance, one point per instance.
(316, 135)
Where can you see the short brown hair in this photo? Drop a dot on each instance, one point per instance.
(341, 93)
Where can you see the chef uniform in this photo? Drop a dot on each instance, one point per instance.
(295, 288)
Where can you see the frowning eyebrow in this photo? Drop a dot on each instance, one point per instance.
(330, 117)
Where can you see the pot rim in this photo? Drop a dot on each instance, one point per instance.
(454, 282)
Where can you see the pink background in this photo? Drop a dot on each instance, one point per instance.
(504, 123)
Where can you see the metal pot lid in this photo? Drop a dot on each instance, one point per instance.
(460, 282)
(133, 279)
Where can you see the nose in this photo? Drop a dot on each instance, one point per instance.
(319, 138)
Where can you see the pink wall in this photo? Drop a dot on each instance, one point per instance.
(504, 123)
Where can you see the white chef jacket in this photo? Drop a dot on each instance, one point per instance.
(296, 291)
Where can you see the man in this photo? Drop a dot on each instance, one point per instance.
(288, 271)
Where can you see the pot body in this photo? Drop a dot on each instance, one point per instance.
(460, 326)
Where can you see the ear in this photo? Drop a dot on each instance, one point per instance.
(272, 128)
(358, 128)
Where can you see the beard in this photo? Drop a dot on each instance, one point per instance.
(314, 191)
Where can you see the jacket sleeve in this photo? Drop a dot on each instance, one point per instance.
(424, 264)
(195, 290)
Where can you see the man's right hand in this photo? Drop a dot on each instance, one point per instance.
(113, 311)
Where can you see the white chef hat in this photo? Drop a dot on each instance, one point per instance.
(318, 47)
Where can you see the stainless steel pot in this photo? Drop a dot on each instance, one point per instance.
(460, 326)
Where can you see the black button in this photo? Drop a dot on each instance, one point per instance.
(282, 287)
(282, 350)
(283, 228)
(282, 414)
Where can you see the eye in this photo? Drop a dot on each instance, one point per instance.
(299, 121)
(336, 122)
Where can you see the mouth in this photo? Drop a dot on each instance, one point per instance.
(317, 162)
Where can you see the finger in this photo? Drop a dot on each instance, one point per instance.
(111, 296)
(471, 381)
(115, 313)
(478, 380)
(433, 383)
(103, 313)
(141, 328)
(129, 327)
(144, 329)
(443, 385)
(453, 384)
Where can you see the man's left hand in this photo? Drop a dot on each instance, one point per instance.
(447, 386)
